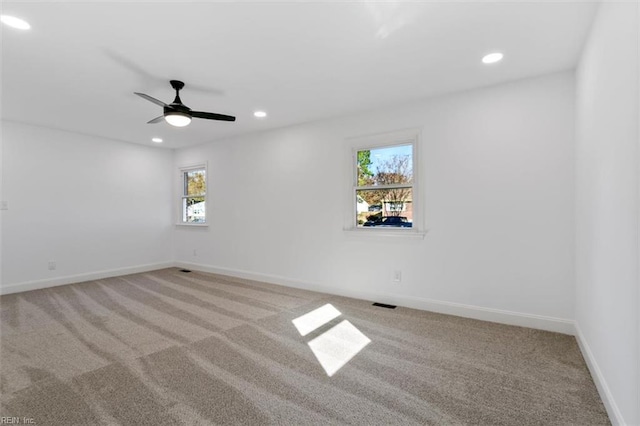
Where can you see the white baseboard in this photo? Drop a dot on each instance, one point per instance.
(70, 279)
(539, 322)
(558, 325)
(598, 378)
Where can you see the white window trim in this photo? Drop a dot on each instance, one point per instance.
(400, 137)
(181, 171)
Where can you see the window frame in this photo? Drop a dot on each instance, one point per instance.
(183, 170)
(376, 141)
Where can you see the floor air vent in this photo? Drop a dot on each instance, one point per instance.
(184, 270)
(382, 305)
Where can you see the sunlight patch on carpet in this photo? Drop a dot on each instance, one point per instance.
(335, 347)
(315, 319)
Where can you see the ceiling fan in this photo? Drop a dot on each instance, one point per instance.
(178, 114)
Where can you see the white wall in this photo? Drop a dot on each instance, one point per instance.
(89, 204)
(2, 212)
(498, 181)
(607, 207)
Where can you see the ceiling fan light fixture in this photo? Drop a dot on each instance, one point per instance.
(177, 118)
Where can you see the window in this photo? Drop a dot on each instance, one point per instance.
(384, 191)
(194, 194)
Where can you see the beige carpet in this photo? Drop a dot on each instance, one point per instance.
(171, 348)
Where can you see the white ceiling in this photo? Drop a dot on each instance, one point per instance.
(78, 66)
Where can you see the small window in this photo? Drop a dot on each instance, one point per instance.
(194, 194)
(384, 192)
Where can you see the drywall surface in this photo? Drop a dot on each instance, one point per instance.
(496, 179)
(2, 205)
(85, 203)
(607, 206)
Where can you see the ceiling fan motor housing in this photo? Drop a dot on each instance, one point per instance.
(177, 107)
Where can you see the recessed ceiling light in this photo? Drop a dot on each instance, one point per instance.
(14, 22)
(157, 140)
(492, 58)
(259, 114)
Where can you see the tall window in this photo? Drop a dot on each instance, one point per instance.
(384, 194)
(194, 193)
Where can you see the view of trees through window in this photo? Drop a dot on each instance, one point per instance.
(385, 185)
(193, 200)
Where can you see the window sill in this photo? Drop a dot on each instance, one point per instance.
(385, 233)
(196, 225)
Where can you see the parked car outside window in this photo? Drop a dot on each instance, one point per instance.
(390, 221)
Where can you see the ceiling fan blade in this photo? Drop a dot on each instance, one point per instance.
(156, 120)
(212, 116)
(151, 99)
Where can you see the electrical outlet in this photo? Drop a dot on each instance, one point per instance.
(4, 205)
(52, 265)
(397, 276)
(195, 252)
